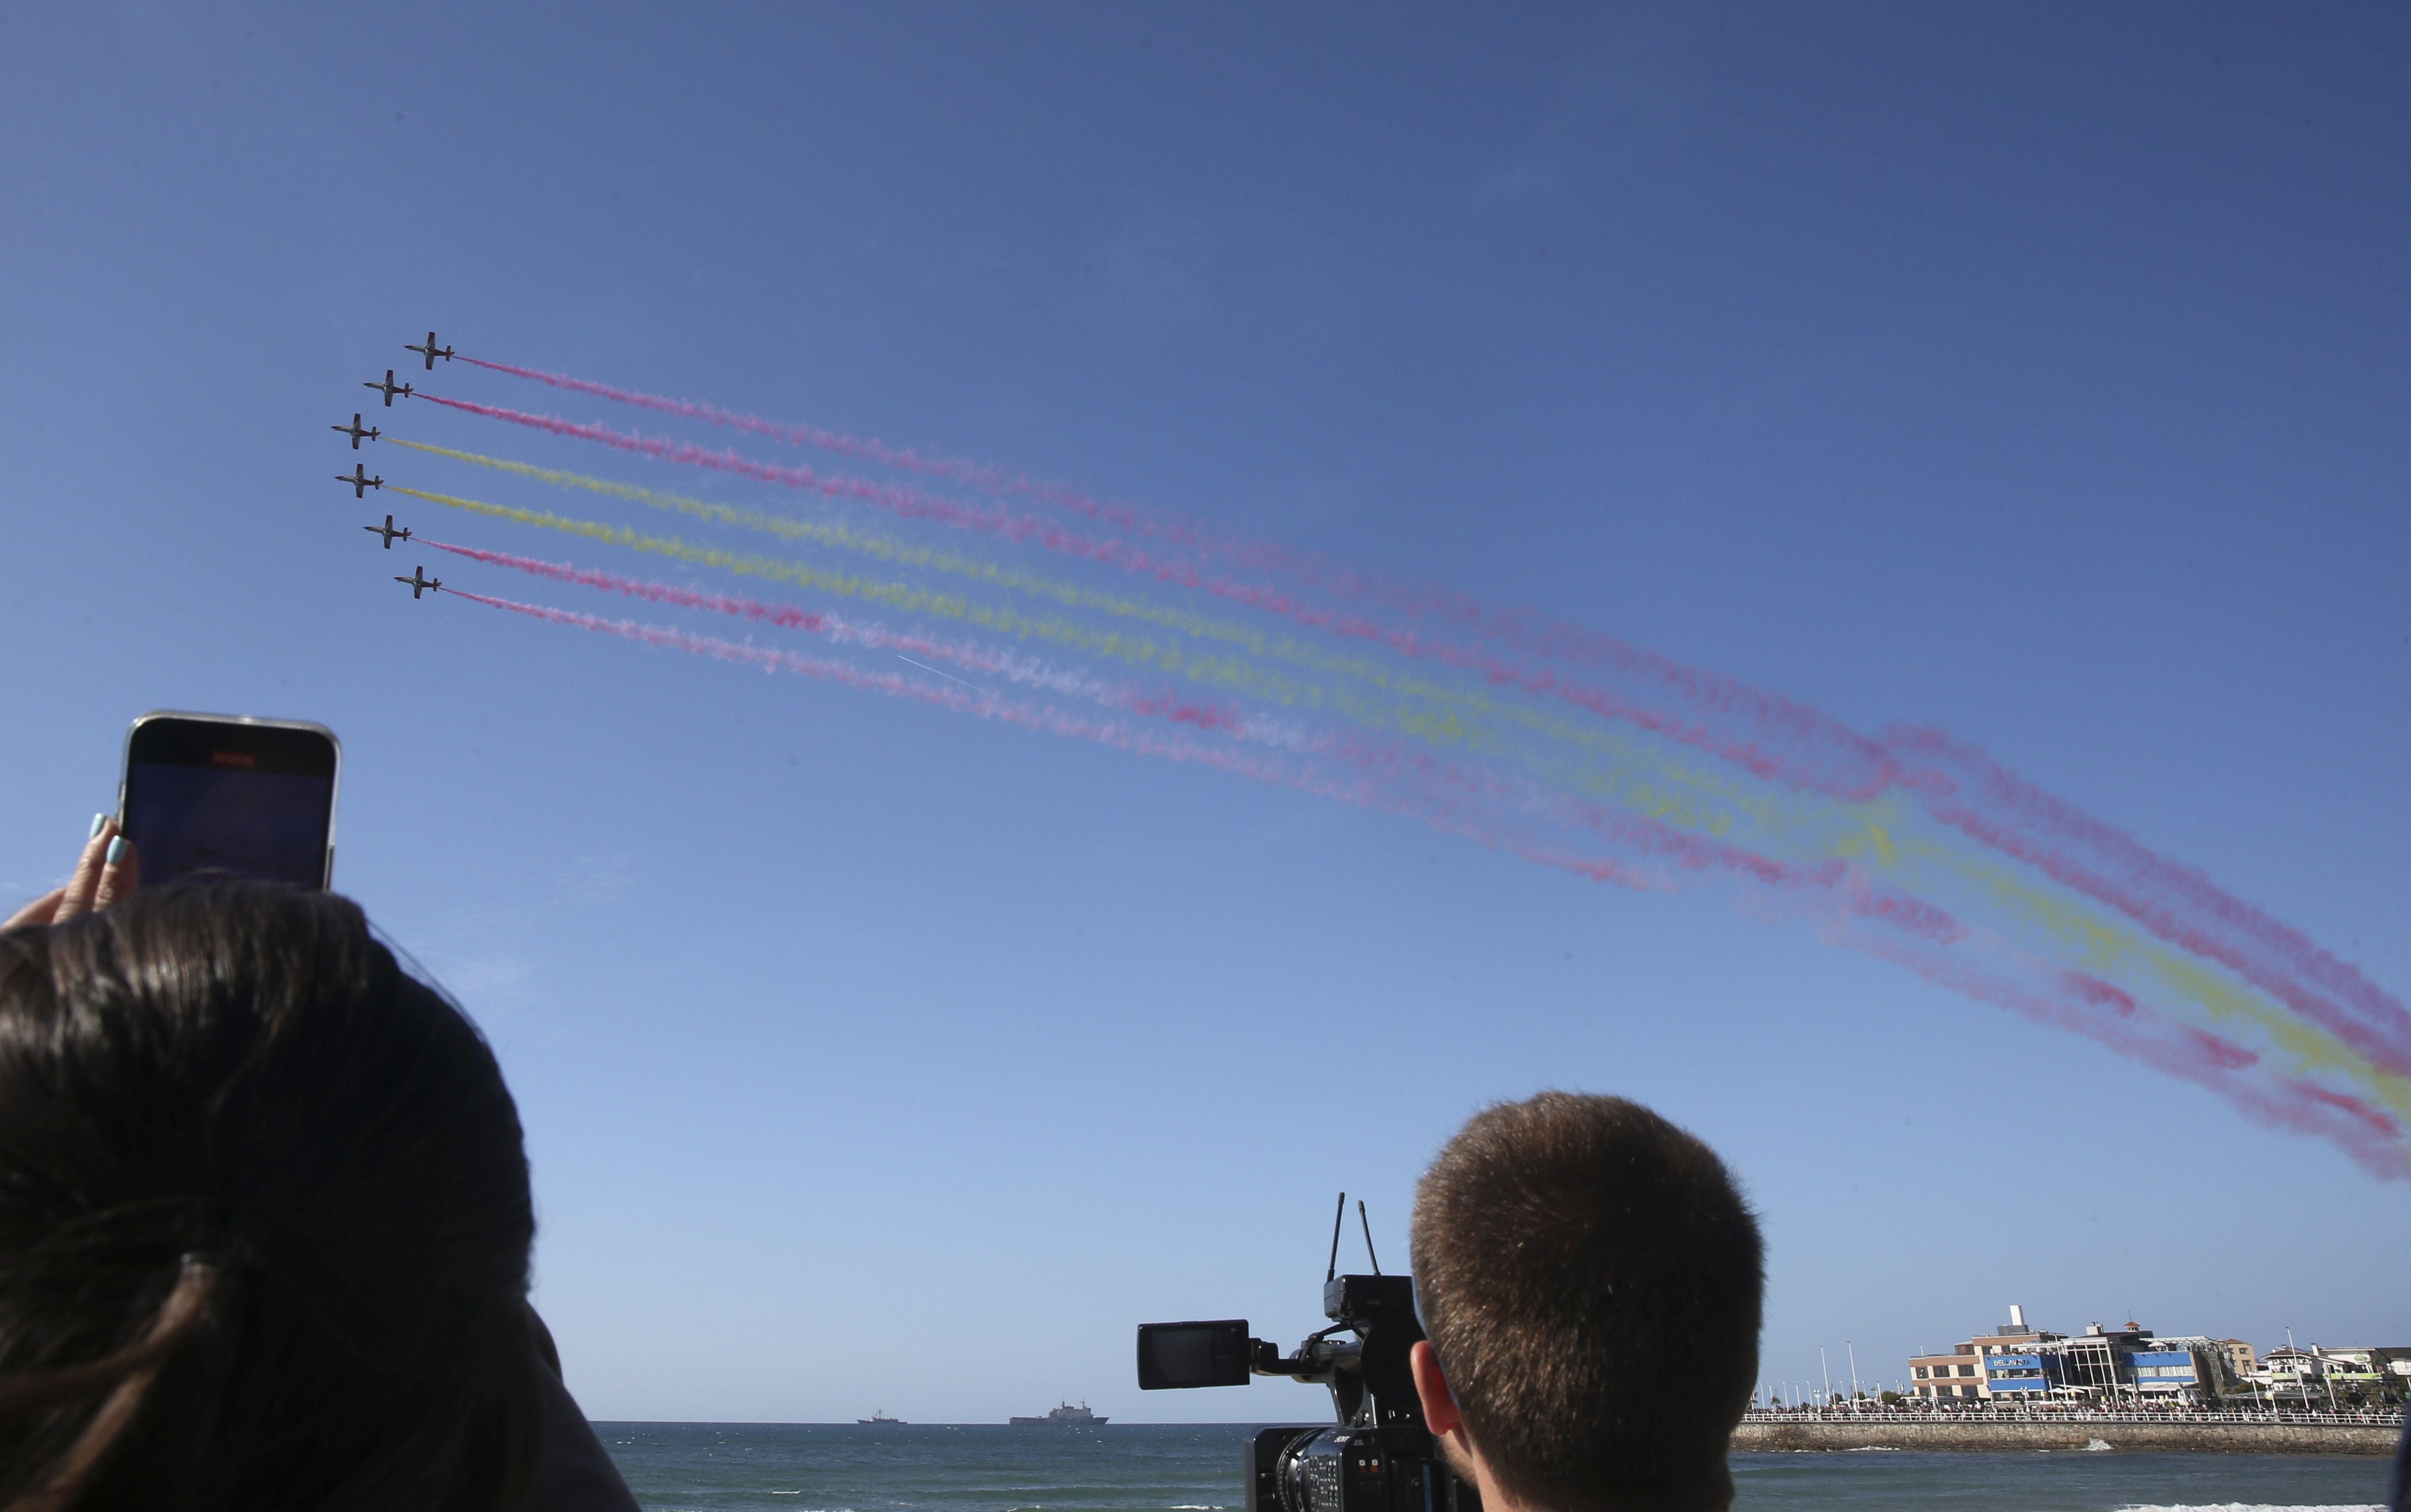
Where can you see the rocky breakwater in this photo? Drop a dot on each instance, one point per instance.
(1764, 1434)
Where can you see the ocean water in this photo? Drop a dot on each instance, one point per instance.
(817, 1467)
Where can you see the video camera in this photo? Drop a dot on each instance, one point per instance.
(1381, 1457)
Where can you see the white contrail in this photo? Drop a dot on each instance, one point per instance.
(948, 675)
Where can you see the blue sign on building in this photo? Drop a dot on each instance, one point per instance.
(2166, 1370)
(2011, 1374)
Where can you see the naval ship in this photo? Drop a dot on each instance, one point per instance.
(879, 1415)
(1066, 1415)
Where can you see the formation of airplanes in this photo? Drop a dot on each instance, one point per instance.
(430, 352)
(389, 389)
(417, 582)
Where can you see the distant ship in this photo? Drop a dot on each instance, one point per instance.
(879, 1416)
(1066, 1415)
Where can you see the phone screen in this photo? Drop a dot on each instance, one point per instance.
(248, 796)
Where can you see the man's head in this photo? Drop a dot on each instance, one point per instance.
(1590, 1278)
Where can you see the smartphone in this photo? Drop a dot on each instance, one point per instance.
(222, 794)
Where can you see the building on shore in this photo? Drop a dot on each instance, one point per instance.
(2133, 1362)
(2241, 1359)
(2020, 1364)
(1966, 1373)
(2355, 1375)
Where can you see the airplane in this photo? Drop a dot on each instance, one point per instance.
(359, 480)
(355, 432)
(390, 388)
(420, 584)
(387, 531)
(431, 351)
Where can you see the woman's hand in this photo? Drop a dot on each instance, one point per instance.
(108, 870)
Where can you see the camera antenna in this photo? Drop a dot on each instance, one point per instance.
(1368, 1236)
(1337, 1214)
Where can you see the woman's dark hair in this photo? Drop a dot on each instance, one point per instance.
(264, 1219)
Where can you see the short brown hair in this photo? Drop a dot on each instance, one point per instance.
(1591, 1278)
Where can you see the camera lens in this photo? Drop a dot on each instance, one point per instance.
(1336, 1470)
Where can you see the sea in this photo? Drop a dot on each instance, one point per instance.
(829, 1467)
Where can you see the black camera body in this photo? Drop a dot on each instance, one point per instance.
(1381, 1458)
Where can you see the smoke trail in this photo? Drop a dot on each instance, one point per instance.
(1831, 759)
(1834, 755)
(2373, 1138)
(1648, 836)
(2175, 902)
(2282, 960)
(1019, 669)
(2203, 989)
(1439, 794)
(1523, 628)
(904, 459)
(2086, 1005)
(1647, 832)
(2188, 982)
(1237, 677)
(1472, 729)
(2338, 1020)
(1165, 657)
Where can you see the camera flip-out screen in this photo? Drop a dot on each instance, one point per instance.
(1176, 1355)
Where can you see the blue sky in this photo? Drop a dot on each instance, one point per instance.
(2036, 373)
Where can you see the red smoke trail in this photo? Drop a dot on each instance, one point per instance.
(2370, 1135)
(1780, 740)
(792, 617)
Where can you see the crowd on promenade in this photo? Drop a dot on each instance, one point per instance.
(2070, 1412)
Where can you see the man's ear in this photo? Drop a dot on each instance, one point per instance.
(1439, 1404)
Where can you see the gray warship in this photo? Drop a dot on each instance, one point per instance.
(1066, 1415)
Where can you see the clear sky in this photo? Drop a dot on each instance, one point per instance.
(2036, 373)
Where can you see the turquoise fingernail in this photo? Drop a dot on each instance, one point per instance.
(97, 821)
(116, 849)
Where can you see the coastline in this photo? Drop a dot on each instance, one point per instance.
(2143, 1434)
